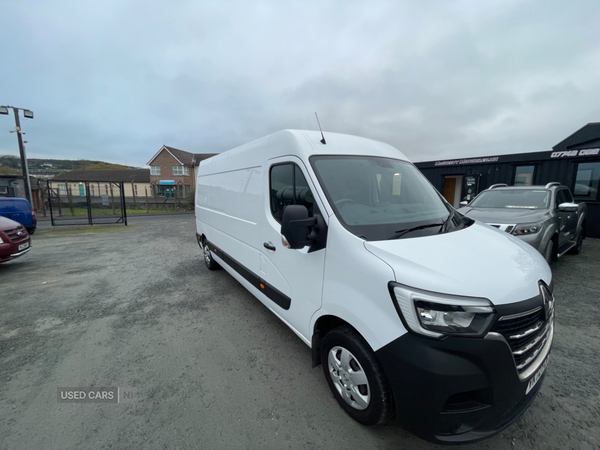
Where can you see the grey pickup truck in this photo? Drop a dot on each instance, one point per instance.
(543, 216)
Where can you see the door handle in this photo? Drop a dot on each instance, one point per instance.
(269, 246)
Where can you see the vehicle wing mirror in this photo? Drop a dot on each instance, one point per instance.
(295, 226)
(568, 207)
(464, 203)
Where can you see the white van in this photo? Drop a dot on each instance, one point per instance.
(413, 309)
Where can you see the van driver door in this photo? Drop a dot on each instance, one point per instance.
(294, 278)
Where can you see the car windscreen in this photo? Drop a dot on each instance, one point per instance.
(378, 198)
(513, 199)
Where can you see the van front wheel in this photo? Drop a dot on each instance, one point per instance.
(355, 377)
(208, 259)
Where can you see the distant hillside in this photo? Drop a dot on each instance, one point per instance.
(51, 167)
(5, 170)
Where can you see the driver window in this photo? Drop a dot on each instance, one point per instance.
(288, 186)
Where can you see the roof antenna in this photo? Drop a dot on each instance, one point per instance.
(322, 140)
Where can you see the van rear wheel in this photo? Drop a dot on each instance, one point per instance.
(208, 259)
(355, 377)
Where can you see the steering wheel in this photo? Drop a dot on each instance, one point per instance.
(342, 201)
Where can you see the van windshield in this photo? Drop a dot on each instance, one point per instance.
(382, 198)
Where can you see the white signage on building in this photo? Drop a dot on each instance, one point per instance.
(570, 153)
(467, 161)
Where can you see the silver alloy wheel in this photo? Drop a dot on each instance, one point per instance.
(207, 257)
(349, 378)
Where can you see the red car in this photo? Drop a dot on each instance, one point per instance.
(14, 240)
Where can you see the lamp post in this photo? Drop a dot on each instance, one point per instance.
(29, 115)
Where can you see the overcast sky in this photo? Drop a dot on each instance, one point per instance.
(115, 80)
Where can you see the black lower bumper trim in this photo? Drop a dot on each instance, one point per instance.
(457, 390)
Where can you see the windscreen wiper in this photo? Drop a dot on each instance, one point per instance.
(447, 222)
(400, 233)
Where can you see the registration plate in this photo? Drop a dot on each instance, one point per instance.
(24, 246)
(534, 379)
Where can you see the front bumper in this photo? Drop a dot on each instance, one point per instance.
(457, 390)
(10, 251)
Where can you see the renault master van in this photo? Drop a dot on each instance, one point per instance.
(413, 310)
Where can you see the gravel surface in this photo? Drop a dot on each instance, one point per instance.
(135, 307)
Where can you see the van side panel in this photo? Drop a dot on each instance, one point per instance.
(229, 201)
(355, 288)
(229, 205)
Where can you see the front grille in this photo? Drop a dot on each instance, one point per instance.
(526, 333)
(13, 235)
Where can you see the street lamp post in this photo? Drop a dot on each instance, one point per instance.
(29, 115)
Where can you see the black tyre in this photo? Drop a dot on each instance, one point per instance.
(549, 252)
(578, 243)
(31, 230)
(355, 377)
(208, 258)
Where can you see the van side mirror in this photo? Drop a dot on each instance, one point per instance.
(295, 226)
(464, 203)
(568, 207)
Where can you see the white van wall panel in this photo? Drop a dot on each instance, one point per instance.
(236, 194)
(231, 202)
(242, 252)
(248, 155)
(356, 288)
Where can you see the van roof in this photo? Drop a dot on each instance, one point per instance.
(12, 199)
(300, 143)
(341, 144)
(305, 143)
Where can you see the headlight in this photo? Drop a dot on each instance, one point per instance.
(1, 241)
(438, 315)
(527, 228)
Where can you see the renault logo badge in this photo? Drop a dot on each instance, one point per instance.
(548, 300)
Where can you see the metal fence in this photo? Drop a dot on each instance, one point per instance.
(86, 207)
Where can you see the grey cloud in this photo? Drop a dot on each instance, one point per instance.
(115, 80)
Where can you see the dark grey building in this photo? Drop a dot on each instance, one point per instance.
(574, 162)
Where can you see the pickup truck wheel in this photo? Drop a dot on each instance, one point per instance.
(31, 230)
(578, 243)
(355, 377)
(208, 259)
(549, 252)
